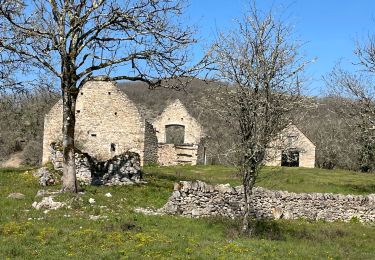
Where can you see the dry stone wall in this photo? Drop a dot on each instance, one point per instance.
(198, 199)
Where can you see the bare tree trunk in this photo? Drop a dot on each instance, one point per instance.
(70, 183)
(248, 182)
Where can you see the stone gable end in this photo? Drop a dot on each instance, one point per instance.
(291, 138)
(107, 123)
(176, 114)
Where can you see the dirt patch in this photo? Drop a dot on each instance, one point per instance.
(14, 161)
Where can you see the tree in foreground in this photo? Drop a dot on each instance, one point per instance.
(261, 61)
(78, 40)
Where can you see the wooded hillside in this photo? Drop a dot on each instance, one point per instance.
(21, 122)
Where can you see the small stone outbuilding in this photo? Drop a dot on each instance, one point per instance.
(178, 134)
(292, 148)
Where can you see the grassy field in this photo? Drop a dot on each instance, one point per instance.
(277, 178)
(120, 233)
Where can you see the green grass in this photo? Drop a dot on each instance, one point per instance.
(26, 233)
(277, 178)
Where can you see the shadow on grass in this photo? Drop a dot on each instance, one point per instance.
(269, 230)
(122, 226)
(363, 188)
(167, 177)
(16, 170)
(285, 230)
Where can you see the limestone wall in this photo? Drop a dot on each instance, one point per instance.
(198, 199)
(123, 169)
(107, 123)
(171, 154)
(167, 155)
(52, 129)
(151, 145)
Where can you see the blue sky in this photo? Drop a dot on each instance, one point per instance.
(328, 28)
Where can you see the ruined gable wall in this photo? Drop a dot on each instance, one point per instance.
(104, 115)
(176, 113)
(106, 112)
(307, 154)
(170, 154)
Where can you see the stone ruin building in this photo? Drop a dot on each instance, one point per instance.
(292, 148)
(108, 123)
(178, 135)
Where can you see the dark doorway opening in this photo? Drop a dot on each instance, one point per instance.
(290, 158)
(175, 134)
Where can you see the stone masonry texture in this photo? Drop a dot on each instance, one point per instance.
(107, 123)
(176, 114)
(198, 199)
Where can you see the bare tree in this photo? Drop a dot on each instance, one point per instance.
(356, 93)
(77, 40)
(356, 90)
(261, 62)
(330, 132)
(8, 69)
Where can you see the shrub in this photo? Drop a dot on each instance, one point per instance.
(32, 153)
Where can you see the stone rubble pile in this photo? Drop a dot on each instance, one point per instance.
(84, 168)
(198, 199)
(48, 203)
(46, 178)
(123, 169)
